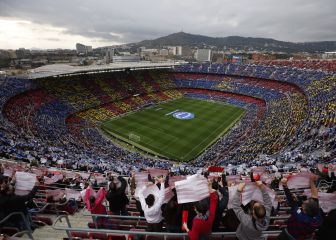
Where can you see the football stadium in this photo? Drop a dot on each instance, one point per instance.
(167, 120)
(65, 135)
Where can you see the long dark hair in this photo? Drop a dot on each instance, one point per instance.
(92, 201)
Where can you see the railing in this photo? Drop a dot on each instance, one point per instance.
(143, 218)
(25, 221)
(54, 207)
(95, 216)
(68, 229)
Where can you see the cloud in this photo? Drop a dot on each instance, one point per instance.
(110, 22)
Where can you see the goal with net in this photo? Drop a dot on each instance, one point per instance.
(134, 137)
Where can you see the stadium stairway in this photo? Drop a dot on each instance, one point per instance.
(48, 233)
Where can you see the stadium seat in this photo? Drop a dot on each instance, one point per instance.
(100, 236)
(229, 237)
(9, 230)
(116, 237)
(174, 238)
(80, 234)
(150, 237)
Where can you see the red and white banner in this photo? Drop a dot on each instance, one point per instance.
(299, 180)
(253, 192)
(233, 179)
(24, 182)
(141, 178)
(192, 189)
(327, 201)
(232, 192)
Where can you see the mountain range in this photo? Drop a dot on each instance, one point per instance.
(236, 42)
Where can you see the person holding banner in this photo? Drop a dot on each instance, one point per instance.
(151, 206)
(304, 219)
(10, 202)
(94, 203)
(202, 223)
(116, 197)
(251, 226)
(223, 200)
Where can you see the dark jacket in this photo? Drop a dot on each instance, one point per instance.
(117, 197)
(300, 225)
(15, 203)
(222, 205)
(172, 213)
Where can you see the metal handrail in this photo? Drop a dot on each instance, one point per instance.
(70, 229)
(55, 207)
(114, 216)
(143, 218)
(29, 231)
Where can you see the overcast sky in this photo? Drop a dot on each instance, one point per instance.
(62, 23)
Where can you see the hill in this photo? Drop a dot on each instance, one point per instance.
(236, 42)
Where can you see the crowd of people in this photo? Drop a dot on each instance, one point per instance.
(324, 65)
(54, 121)
(229, 204)
(289, 126)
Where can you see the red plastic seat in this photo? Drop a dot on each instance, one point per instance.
(272, 236)
(80, 234)
(9, 230)
(230, 237)
(116, 237)
(100, 236)
(174, 238)
(150, 237)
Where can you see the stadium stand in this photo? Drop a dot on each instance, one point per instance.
(60, 194)
(288, 132)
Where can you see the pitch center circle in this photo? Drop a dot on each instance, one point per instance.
(184, 115)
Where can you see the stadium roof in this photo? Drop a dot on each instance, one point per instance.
(64, 69)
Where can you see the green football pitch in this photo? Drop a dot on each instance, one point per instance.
(155, 129)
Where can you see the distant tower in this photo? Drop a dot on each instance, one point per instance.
(80, 48)
(109, 55)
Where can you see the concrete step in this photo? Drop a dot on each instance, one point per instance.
(48, 233)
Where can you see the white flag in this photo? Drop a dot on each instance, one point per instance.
(327, 201)
(24, 182)
(192, 189)
(299, 180)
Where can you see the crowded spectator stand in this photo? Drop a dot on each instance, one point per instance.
(69, 173)
(71, 193)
